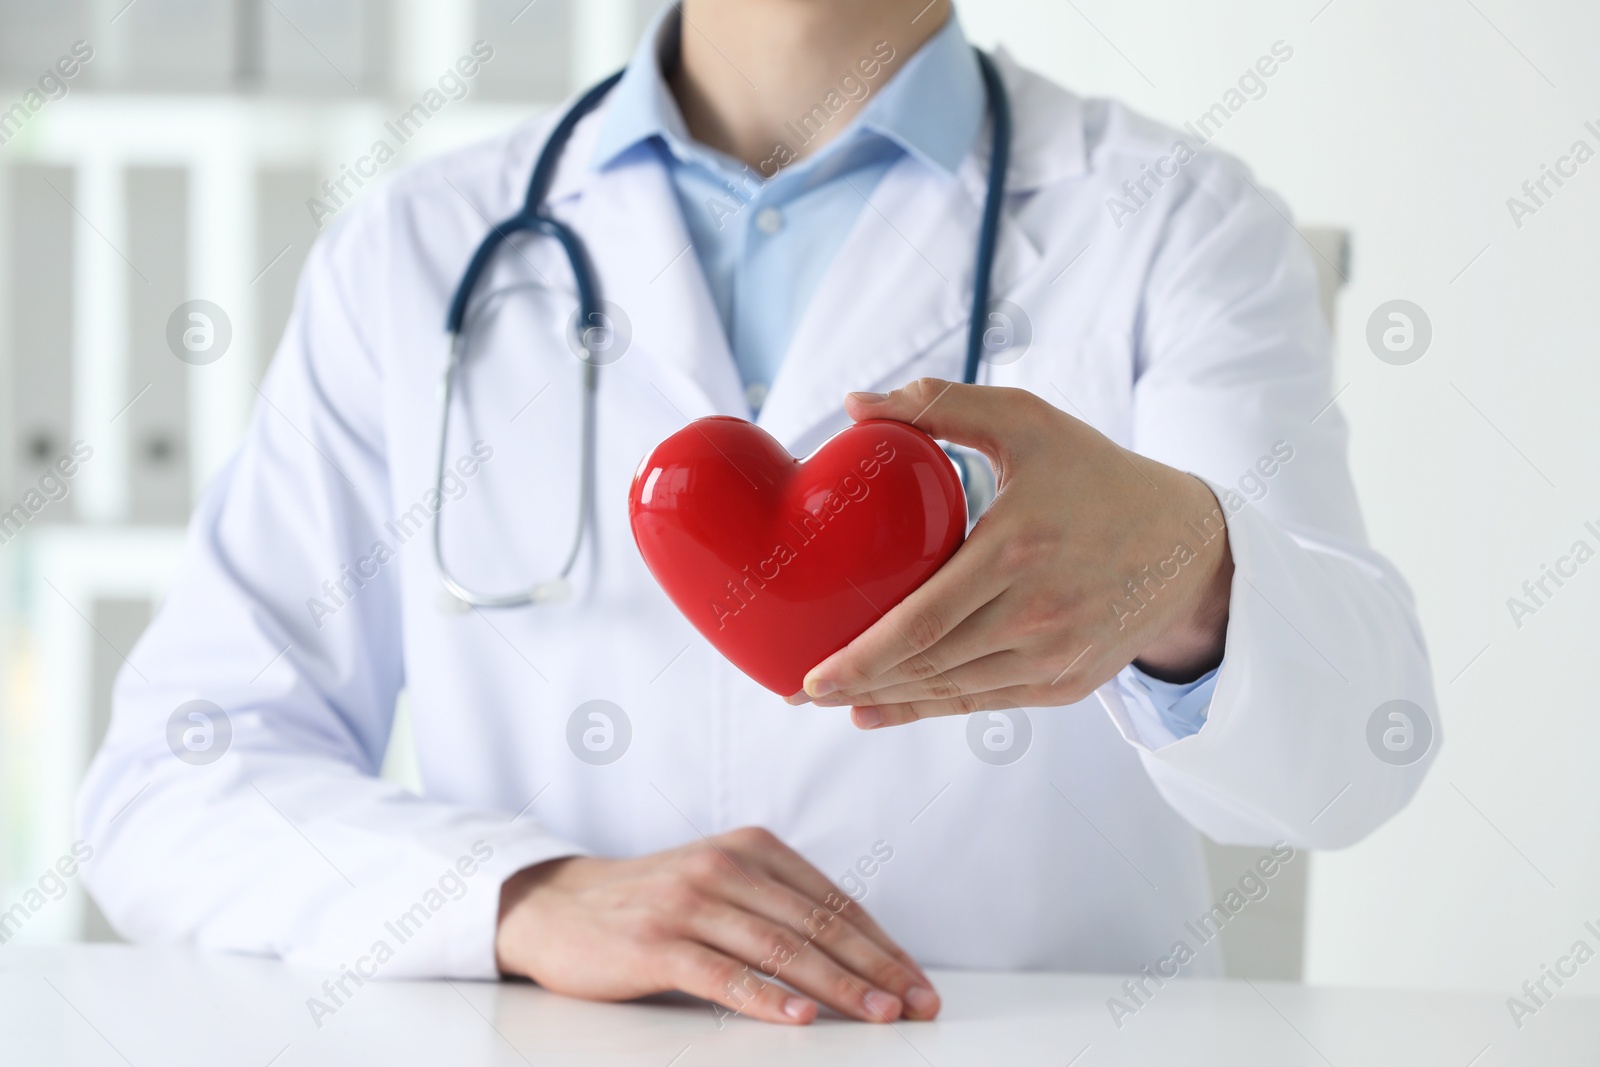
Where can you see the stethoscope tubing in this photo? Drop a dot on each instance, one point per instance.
(533, 218)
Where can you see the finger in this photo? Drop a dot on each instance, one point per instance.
(786, 865)
(825, 927)
(760, 849)
(874, 716)
(964, 584)
(992, 649)
(986, 632)
(984, 417)
(774, 951)
(711, 975)
(998, 670)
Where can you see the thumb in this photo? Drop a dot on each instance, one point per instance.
(977, 416)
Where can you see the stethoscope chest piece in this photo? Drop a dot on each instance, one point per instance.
(978, 482)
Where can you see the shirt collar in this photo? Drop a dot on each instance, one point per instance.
(932, 108)
(641, 106)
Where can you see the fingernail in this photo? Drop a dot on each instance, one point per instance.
(819, 687)
(795, 1008)
(882, 1006)
(922, 1001)
(871, 398)
(798, 699)
(869, 718)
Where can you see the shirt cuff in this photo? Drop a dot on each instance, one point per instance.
(1164, 712)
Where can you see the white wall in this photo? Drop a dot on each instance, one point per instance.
(1411, 123)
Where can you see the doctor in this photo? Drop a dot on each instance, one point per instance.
(780, 202)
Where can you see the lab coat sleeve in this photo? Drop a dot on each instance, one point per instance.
(1234, 382)
(285, 618)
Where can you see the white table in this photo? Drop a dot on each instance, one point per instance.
(87, 1005)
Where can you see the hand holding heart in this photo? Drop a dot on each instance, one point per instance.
(1090, 558)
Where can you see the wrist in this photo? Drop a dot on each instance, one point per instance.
(1195, 641)
(511, 929)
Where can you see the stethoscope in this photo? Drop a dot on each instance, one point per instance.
(977, 477)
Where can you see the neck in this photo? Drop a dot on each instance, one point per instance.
(771, 81)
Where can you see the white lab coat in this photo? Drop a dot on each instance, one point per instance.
(1191, 333)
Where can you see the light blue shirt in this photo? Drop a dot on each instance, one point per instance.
(764, 236)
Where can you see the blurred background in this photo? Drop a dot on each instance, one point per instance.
(177, 162)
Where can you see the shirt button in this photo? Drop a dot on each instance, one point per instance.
(755, 394)
(769, 220)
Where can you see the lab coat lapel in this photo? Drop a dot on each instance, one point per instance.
(639, 247)
(899, 286)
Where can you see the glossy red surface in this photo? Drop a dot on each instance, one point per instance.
(779, 562)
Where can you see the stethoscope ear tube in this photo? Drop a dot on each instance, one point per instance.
(993, 201)
(532, 204)
(978, 481)
(560, 587)
(531, 217)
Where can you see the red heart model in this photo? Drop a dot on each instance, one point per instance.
(781, 562)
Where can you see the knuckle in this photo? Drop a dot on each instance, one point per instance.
(967, 703)
(653, 926)
(1019, 553)
(678, 900)
(918, 668)
(1029, 546)
(1034, 411)
(724, 974)
(816, 925)
(836, 901)
(1026, 400)
(704, 867)
(783, 946)
(696, 968)
(841, 904)
(824, 927)
(888, 974)
(942, 688)
(853, 679)
(846, 990)
(925, 389)
(753, 837)
(1046, 615)
(923, 629)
